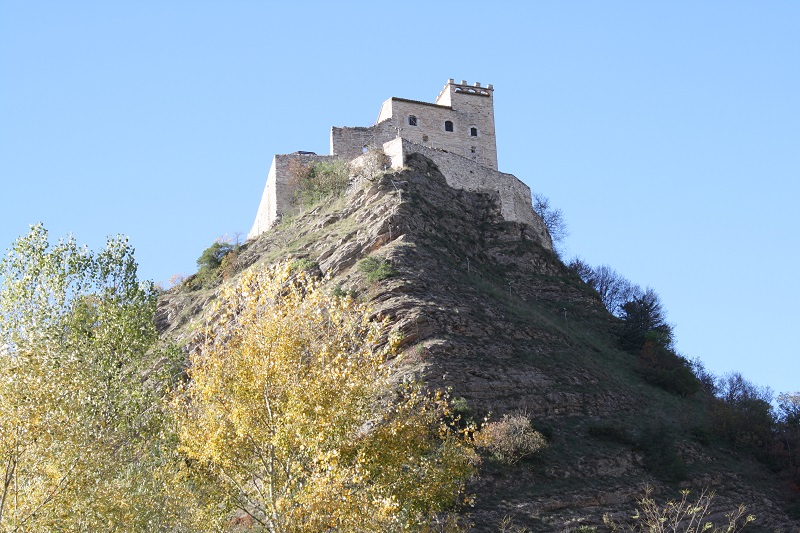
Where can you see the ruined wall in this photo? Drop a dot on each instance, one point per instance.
(277, 197)
(349, 143)
(462, 173)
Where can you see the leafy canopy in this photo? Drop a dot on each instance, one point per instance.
(77, 389)
(292, 412)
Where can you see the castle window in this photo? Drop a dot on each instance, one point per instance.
(412, 120)
(448, 125)
(473, 132)
(472, 149)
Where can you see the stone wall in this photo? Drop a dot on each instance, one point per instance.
(462, 173)
(349, 143)
(276, 200)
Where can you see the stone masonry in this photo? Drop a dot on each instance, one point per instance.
(456, 133)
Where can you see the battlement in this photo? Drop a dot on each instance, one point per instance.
(464, 88)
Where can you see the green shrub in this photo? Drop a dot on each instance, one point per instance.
(218, 261)
(340, 292)
(313, 182)
(376, 268)
(212, 257)
(460, 406)
(303, 264)
(700, 435)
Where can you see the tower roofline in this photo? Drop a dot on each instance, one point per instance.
(476, 88)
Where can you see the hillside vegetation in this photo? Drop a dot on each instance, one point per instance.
(482, 310)
(392, 356)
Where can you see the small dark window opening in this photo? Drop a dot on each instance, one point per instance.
(472, 149)
(412, 120)
(473, 132)
(448, 125)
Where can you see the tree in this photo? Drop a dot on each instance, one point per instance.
(79, 391)
(789, 408)
(218, 261)
(292, 412)
(789, 432)
(743, 413)
(212, 257)
(644, 319)
(553, 219)
(614, 289)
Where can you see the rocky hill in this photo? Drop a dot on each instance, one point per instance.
(486, 309)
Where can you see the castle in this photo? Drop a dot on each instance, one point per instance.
(456, 132)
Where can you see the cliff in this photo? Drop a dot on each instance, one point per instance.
(486, 309)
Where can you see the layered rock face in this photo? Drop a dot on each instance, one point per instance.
(489, 312)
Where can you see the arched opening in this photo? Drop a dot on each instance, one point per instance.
(412, 120)
(448, 125)
(473, 132)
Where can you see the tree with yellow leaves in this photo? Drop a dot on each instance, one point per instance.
(84, 445)
(292, 411)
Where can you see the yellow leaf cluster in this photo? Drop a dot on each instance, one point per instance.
(84, 443)
(292, 411)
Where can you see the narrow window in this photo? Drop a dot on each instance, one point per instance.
(472, 149)
(412, 120)
(473, 132)
(448, 125)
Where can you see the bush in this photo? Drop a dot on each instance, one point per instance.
(211, 258)
(680, 515)
(510, 439)
(376, 268)
(220, 260)
(742, 412)
(311, 183)
(664, 368)
(303, 264)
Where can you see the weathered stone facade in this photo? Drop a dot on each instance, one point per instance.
(461, 122)
(461, 173)
(456, 132)
(277, 196)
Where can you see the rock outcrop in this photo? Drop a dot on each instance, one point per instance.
(487, 311)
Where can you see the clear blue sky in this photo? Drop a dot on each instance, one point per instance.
(667, 132)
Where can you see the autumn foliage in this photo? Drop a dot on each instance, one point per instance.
(292, 411)
(83, 441)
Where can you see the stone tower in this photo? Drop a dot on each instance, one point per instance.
(460, 121)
